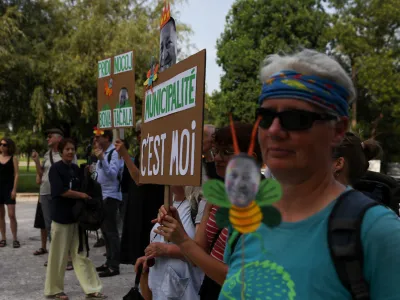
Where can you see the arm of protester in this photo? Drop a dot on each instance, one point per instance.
(39, 168)
(201, 233)
(38, 179)
(16, 176)
(123, 152)
(172, 230)
(158, 249)
(75, 195)
(380, 234)
(110, 169)
(144, 279)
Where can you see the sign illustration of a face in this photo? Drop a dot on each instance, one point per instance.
(123, 96)
(242, 180)
(168, 42)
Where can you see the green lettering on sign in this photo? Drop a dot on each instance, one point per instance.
(105, 119)
(104, 67)
(123, 117)
(123, 62)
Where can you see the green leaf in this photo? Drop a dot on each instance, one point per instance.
(270, 191)
(214, 192)
(271, 216)
(222, 217)
(232, 238)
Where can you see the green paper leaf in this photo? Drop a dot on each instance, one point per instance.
(232, 238)
(222, 217)
(214, 192)
(269, 192)
(271, 216)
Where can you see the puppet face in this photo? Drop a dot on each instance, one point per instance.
(168, 50)
(123, 96)
(242, 180)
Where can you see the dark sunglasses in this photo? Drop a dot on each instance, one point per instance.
(4, 145)
(291, 120)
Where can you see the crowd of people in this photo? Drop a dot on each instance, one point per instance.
(332, 243)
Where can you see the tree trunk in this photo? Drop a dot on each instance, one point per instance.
(27, 168)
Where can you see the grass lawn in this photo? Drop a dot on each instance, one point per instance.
(27, 180)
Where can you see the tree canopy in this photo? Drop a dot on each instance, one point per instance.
(362, 35)
(49, 53)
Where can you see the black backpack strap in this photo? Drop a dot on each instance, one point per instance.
(109, 156)
(51, 157)
(344, 239)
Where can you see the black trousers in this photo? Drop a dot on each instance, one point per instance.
(110, 233)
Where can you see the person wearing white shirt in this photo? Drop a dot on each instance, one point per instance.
(172, 276)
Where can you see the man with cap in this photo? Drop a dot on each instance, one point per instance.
(109, 168)
(54, 136)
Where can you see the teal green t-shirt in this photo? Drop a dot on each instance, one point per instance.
(292, 261)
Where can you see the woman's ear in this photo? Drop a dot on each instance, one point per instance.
(338, 165)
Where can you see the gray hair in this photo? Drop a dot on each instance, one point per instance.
(208, 128)
(309, 62)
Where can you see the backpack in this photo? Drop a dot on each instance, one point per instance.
(344, 240)
(90, 213)
(380, 187)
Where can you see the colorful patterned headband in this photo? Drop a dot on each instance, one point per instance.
(313, 89)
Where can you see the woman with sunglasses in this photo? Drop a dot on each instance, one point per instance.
(65, 231)
(8, 189)
(304, 111)
(207, 249)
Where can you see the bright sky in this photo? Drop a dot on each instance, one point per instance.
(207, 19)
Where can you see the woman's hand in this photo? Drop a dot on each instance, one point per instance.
(120, 148)
(172, 228)
(35, 156)
(13, 194)
(141, 261)
(98, 152)
(156, 250)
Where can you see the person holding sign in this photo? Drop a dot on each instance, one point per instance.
(108, 169)
(141, 207)
(207, 249)
(172, 277)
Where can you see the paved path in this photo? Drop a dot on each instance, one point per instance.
(23, 275)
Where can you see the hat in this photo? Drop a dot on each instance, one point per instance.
(55, 130)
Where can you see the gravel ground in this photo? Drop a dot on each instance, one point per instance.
(23, 274)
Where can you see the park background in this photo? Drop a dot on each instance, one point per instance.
(49, 51)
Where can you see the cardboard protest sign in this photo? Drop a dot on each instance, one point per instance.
(116, 91)
(172, 128)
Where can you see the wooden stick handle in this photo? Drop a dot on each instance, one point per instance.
(167, 198)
